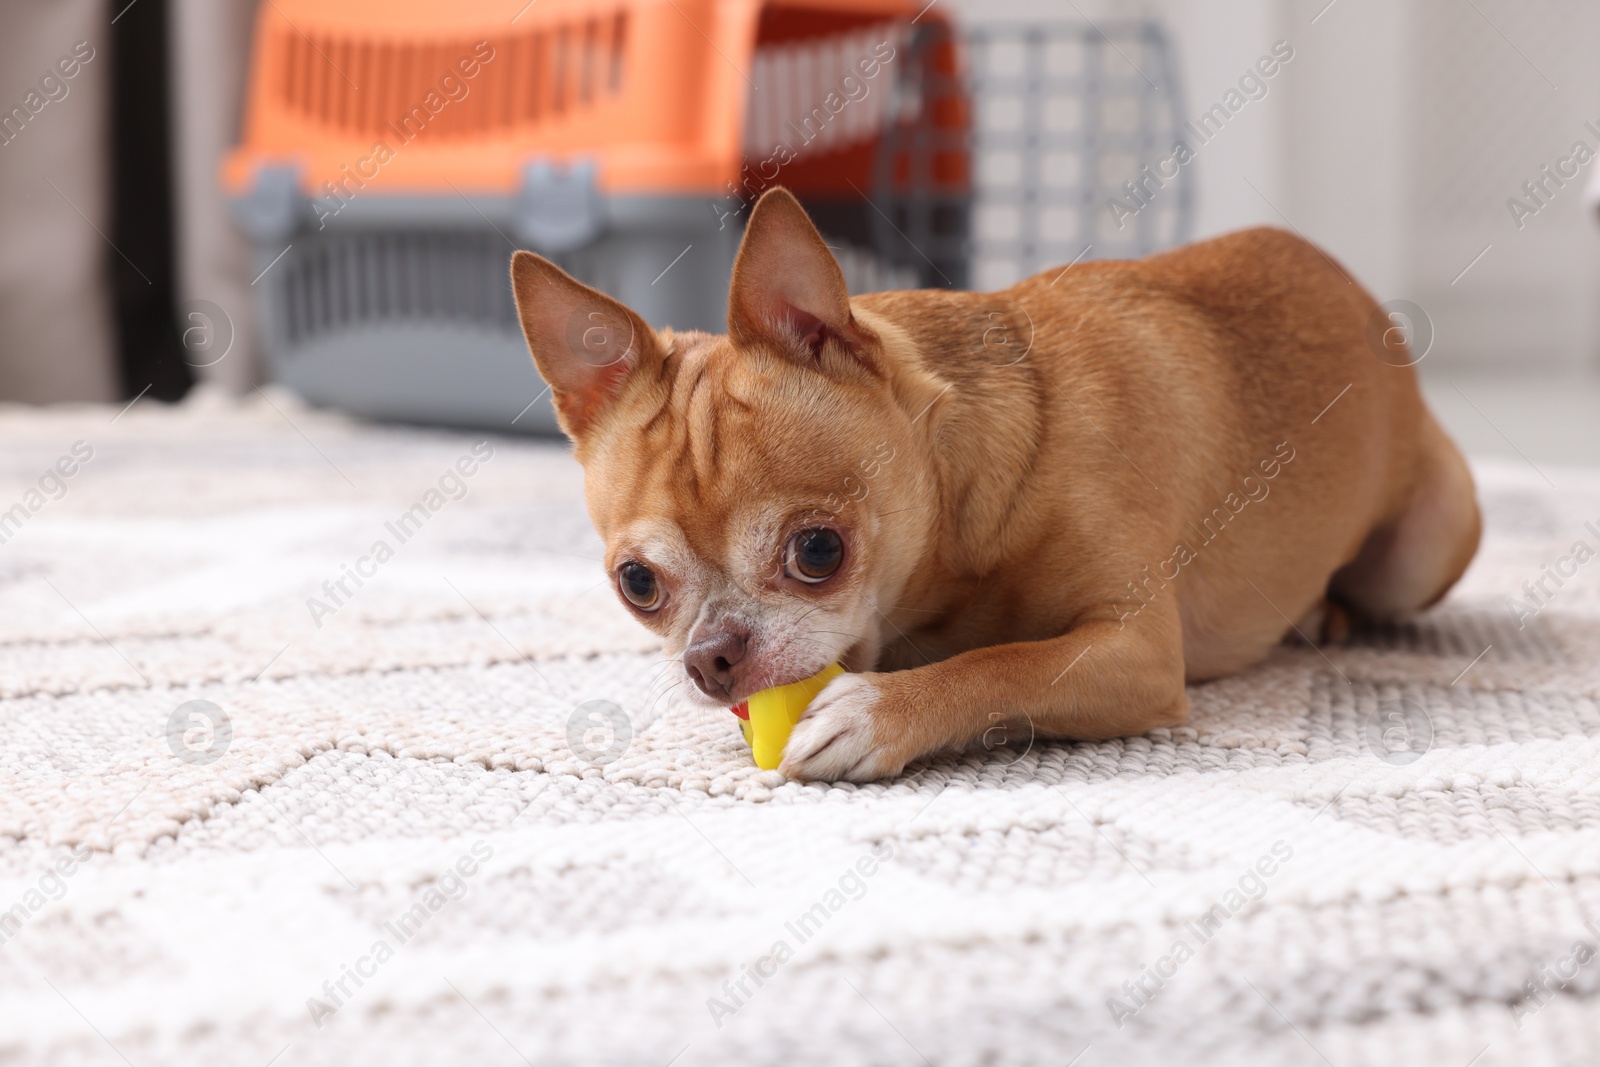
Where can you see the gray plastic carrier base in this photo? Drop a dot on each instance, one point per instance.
(401, 308)
(436, 374)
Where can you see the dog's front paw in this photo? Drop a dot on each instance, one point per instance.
(839, 736)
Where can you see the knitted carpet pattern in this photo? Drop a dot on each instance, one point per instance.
(324, 743)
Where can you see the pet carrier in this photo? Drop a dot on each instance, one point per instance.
(396, 153)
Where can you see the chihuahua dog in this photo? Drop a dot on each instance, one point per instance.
(1047, 508)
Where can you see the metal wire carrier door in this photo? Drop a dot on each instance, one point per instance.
(1064, 119)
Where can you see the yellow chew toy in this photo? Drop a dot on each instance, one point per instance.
(769, 716)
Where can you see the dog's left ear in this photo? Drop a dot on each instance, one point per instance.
(788, 289)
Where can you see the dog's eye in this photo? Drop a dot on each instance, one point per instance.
(639, 586)
(814, 554)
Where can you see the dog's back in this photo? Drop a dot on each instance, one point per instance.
(1218, 414)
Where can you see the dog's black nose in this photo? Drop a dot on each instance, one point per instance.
(710, 661)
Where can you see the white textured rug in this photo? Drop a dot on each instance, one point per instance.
(402, 854)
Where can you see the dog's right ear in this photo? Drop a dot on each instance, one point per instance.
(584, 343)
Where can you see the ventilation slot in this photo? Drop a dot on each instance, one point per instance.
(374, 89)
(349, 281)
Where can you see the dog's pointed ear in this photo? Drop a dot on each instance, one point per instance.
(788, 289)
(584, 343)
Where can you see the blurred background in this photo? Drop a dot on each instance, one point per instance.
(216, 195)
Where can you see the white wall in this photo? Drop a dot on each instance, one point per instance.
(1486, 118)
(1217, 43)
(56, 333)
(1394, 139)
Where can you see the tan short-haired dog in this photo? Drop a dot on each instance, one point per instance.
(1048, 506)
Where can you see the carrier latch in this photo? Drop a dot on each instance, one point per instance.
(274, 207)
(559, 207)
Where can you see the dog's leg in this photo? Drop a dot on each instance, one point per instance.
(1103, 678)
(1410, 562)
(1329, 619)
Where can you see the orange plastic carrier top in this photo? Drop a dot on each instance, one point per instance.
(447, 97)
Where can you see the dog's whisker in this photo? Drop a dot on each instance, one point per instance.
(656, 684)
(659, 669)
(651, 707)
(666, 680)
(814, 609)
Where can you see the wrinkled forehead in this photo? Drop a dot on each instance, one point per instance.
(719, 459)
(678, 507)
